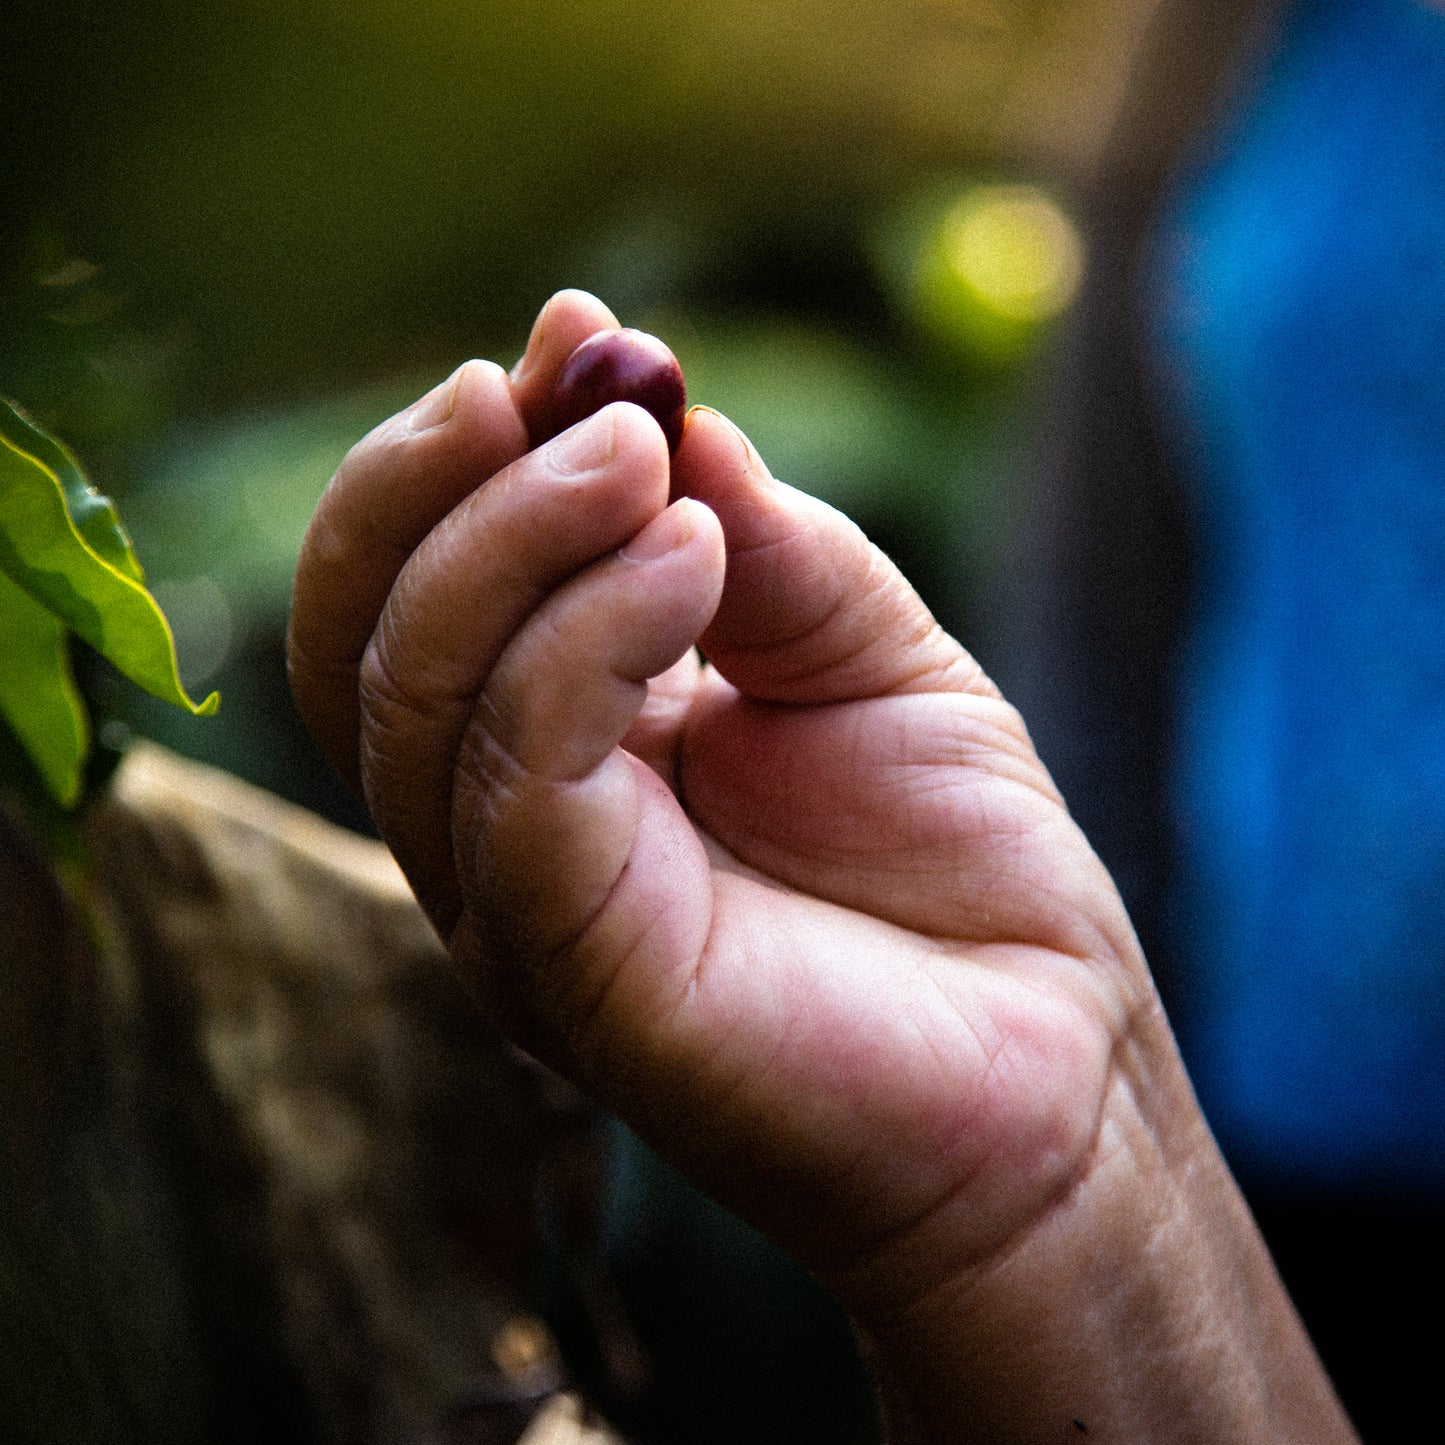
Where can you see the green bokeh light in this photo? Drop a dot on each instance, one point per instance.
(992, 267)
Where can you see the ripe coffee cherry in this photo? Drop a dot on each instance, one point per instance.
(624, 365)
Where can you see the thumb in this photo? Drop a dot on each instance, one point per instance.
(811, 611)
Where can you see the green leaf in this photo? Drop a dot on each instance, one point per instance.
(88, 578)
(38, 697)
(94, 515)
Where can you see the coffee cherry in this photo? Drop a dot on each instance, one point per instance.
(624, 365)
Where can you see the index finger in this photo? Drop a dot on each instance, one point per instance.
(392, 488)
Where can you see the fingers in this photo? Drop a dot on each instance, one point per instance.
(813, 615)
(469, 586)
(574, 678)
(812, 612)
(392, 489)
(548, 810)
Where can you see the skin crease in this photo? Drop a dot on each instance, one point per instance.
(813, 918)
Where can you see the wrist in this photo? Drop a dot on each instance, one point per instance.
(1140, 1305)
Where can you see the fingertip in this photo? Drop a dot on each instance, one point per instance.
(479, 382)
(485, 414)
(705, 530)
(474, 409)
(716, 463)
(713, 443)
(436, 407)
(622, 439)
(685, 523)
(567, 319)
(714, 425)
(575, 303)
(634, 426)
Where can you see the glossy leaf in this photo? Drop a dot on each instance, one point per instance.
(94, 515)
(88, 578)
(38, 697)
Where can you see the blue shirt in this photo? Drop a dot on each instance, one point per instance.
(1301, 299)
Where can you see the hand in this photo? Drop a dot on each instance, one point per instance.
(811, 917)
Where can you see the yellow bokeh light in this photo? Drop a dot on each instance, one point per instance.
(1014, 248)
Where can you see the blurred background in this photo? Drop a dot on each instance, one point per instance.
(236, 236)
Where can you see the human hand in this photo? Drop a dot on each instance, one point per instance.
(812, 918)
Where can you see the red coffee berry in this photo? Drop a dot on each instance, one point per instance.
(624, 365)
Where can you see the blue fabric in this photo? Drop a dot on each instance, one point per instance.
(1301, 291)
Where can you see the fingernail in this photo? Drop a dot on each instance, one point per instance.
(436, 407)
(665, 533)
(754, 462)
(585, 447)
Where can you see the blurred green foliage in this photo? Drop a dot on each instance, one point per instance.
(310, 192)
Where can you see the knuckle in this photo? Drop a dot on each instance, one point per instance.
(386, 701)
(489, 773)
(412, 668)
(403, 712)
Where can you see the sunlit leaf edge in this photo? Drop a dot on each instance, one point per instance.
(93, 514)
(108, 608)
